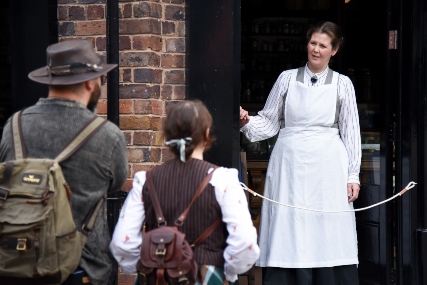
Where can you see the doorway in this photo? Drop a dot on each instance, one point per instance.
(273, 40)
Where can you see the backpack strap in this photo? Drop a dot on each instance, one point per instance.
(89, 221)
(81, 138)
(207, 232)
(199, 191)
(18, 142)
(159, 214)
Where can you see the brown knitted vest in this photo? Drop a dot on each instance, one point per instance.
(176, 183)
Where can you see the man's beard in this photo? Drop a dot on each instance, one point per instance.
(94, 97)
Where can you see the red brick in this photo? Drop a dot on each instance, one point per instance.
(179, 92)
(148, 75)
(125, 43)
(153, 107)
(180, 29)
(175, 13)
(90, 28)
(66, 29)
(170, 60)
(137, 168)
(126, 106)
(156, 123)
(174, 1)
(95, 12)
(139, 59)
(102, 107)
(128, 137)
(76, 13)
(146, 9)
(62, 13)
(142, 138)
(166, 154)
(139, 155)
(127, 11)
(175, 45)
(139, 91)
(139, 26)
(168, 28)
(101, 43)
(175, 77)
(126, 75)
(135, 122)
(92, 1)
(126, 187)
(166, 93)
(145, 42)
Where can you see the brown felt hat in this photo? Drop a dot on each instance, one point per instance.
(70, 62)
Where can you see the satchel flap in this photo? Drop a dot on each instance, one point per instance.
(162, 237)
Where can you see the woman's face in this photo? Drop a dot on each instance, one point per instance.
(319, 51)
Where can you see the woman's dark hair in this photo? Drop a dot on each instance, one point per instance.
(329, 28)
(188, 119)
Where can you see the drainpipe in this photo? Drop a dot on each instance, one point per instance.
(114, 200)
(112, 13)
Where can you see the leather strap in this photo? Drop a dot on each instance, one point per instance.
(13, 243)
(207, 232)
(159, 214)
(199, 191)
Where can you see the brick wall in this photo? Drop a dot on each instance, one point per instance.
(152, 68)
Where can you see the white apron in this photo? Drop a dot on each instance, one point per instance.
(309, 168)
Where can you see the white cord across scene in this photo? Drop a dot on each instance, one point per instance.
(409, 186)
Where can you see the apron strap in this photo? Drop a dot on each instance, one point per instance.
(300, 75)
(328, 79)
(334, 75)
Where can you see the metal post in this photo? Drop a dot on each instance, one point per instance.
(112, 17)
(112, 13)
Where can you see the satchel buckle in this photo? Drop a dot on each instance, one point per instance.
(21, 244)
(161, 251)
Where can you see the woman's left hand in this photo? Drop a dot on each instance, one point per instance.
(353, 191)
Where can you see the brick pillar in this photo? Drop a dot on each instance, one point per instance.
(152, 68)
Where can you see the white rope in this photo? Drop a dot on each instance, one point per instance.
(409, 186)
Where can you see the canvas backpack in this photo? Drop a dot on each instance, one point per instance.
(39, 241)
(166, 257)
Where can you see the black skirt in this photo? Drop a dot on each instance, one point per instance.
(338, 275)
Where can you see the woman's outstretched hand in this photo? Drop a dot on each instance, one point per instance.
(244, 117)
(352, 191)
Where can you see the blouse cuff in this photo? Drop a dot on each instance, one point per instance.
(245, 127)
(353, 178)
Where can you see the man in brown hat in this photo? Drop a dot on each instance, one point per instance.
(74, 75)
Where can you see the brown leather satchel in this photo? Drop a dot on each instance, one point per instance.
(166, 256)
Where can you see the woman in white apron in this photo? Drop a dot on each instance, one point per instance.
(315, 164)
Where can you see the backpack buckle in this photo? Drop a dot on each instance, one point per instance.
(161, 251)
(21, 244)
(3, 195)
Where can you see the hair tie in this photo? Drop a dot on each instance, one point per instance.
(180, 144)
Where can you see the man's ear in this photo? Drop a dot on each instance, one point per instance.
(334, 52)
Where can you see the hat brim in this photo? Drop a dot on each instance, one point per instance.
(40, 75)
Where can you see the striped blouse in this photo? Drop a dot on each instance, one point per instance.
(270, 119)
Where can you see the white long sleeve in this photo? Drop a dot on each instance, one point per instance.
(242, 250)
(348, 124)
(267, 123)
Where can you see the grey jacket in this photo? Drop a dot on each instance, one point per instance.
(100, 166)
